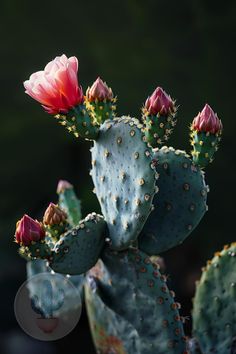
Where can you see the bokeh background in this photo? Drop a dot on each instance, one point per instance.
(187, 47)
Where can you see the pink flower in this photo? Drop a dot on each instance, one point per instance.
(63, 185)
(28, 230)
(159, 102)
(207, 121)
(56, 87)
(99, 91)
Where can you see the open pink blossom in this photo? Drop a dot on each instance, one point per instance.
(28, 230)
(99, 91)
(159, 102)
(207, 121)
(56, 87)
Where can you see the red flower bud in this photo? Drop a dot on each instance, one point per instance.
(207, 121)
(99, 91)
(159, 102)
(28, 230)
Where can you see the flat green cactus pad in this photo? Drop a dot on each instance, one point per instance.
(132, 287)
(214, 305)
(179, 205)
(79, 249)
(111, 333)
(69, 202)
(124, 178)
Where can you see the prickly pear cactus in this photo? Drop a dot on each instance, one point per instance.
(69, 202)
(111, 332)
(151, 199)
(214, 304)
(124, 179)
(129, 284)
(78, 249)
(180, 204)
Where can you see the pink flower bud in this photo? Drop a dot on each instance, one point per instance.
(99, 91)
(207, 121)
(54, 215)
(56, 87)
(63, 185)
(28, 230)
(159, 102)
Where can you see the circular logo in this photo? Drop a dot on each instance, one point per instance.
(48, 306)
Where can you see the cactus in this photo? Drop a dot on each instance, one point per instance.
(124, 179)
(206, 131)
(142, 298)
(179, 205)
(69, 202)
(78, 249)
(151, 199)
(214, 323)
(159, 117)
(100, 101)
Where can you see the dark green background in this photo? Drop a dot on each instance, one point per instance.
(187, 47)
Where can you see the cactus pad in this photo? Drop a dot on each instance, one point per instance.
(131, 286)
(79, 249)
(179, 205)
(111, 333)
(214, 308)
(124, 178)
(69, 202)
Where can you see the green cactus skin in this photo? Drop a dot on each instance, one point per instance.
(78, 122)
(36, 267)
(40, 249)
(124, 178)
(179, 205)
(131, 286)
(102, 110)
(79, 249)
(204, 147)
(53, 232)
(111, 333)
(214, 304)
(69, 202)
(158, 128)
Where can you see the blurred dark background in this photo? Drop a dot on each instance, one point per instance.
(187, 47)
